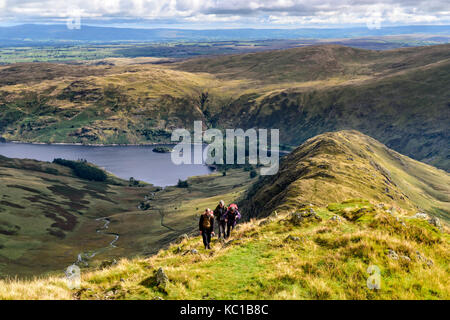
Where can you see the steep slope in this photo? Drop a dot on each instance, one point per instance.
(408, 111)
(315, 247)
(48, 216)
(337, 166)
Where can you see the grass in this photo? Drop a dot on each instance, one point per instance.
(47, 219)
(336, 166)
(329, 261)
(52, 214)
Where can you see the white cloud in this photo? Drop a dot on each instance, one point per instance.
(244, 12)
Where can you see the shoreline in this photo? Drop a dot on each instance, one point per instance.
(87, 144)
(95, 144)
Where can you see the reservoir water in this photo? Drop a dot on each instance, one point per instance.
(139, 162)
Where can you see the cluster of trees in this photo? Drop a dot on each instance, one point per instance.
(161, 149)
(182, 183)
(133, 182)
(83, 169)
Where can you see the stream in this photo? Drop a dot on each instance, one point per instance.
(83, 257)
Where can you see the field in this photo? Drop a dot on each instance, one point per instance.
(93, 52)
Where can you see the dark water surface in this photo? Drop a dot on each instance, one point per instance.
(139, 162)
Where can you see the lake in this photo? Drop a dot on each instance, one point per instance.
(139, 162)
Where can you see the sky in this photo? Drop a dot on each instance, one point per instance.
(203, 14)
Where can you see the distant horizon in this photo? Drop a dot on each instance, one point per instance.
(218, 28)
(226, 14)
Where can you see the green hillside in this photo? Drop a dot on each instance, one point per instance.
(399, 97)
(316, 63)
(337, 166)
(312, 240)
(48, 215)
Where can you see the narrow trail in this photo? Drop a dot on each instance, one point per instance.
(83, 258)
(161, 213)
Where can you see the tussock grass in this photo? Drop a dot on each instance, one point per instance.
(329, 261)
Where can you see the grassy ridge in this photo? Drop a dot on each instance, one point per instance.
(347, 164)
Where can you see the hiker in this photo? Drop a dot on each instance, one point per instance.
(232, 216)
(206, 226)
(219, 214)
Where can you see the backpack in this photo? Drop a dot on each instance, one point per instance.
(206, 224)
(232, 215)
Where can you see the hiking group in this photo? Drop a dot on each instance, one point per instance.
(226, 218)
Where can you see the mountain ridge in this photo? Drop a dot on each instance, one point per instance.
(344, 165)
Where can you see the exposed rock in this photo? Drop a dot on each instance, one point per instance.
(391, 211)
(265, 221)
(424, 259)
(108, 263)
(336, 218)
(435, 222)
(161, 278)
(392, 254)
(401, 221)
(291, 238)
(182, 238)
(421, 215)
(298, 218)
(157, 298)
(192, 251)
(405, 258)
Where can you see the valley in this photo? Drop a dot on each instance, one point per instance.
(309, 232)
(399, 97)
(48, 216)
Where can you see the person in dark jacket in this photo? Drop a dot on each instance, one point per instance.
(219, 214)
(232, 216)
(206, 226)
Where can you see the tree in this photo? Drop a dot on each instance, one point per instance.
(203, 100)
(182, 183)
